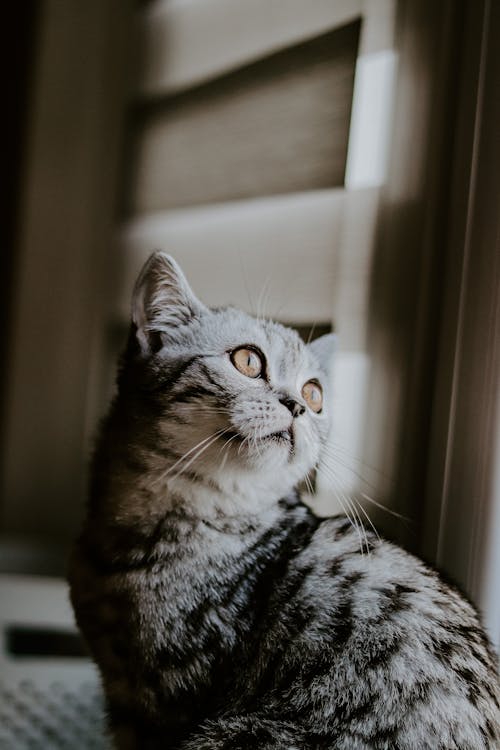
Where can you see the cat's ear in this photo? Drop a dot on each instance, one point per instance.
(162, 300)
(323, 348)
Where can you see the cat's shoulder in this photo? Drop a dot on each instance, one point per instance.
(347, 556)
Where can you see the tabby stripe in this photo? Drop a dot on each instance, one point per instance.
(199, 479)
(241, 586)
(274, 676)
(336, 566)
(260, 570)
(394, 600)
(343, 626)
(191, 393)
(383, 738)
(295, 623)
(385, 650)
(106, 566)
(342, 529)
(172, 377)
(209, 376)
(318, 667)
(130, 550)
(166, 453)
(443, 650)
(491, 692)
(490, 729)
(204, 633)
(296, 536)
(291, 502)
(348, 581)
(251, 585)
(259, 576)
(294, 540)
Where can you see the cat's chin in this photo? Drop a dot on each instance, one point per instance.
(270, 457)
(262, 448)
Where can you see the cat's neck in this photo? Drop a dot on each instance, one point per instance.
(141, 513)
(212, 499)
(140, 492)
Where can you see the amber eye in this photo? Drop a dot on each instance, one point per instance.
(248, 361)
(313, 395)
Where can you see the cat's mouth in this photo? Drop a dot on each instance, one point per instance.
(284, 437)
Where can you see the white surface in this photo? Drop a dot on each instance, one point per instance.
(371, 120)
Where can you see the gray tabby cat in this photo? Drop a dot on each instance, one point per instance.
(221, 612)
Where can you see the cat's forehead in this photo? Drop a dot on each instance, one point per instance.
(234, 328)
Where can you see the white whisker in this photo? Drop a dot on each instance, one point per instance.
(262, 299)
(329, 453)
(384, 507)
(346, 505)
(215, 435)
(337, 447)
(364, 512)
(204, 447)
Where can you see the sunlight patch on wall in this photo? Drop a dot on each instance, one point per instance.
(371, 119)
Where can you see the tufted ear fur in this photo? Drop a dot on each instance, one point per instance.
(323, 349)
(162, 300)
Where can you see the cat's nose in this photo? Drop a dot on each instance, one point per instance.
(293, 406)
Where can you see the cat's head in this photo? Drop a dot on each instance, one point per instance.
(234, 396)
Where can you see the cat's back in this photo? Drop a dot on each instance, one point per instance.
(388, 651)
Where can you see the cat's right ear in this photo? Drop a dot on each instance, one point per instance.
(162, 300)
(323, 348)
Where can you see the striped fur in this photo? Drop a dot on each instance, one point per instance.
(222, 614)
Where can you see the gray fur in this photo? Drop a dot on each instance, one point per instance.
(221, 612)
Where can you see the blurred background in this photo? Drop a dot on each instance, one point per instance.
(331, 163)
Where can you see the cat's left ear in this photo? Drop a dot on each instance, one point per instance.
(323, 348)
(162, 300)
